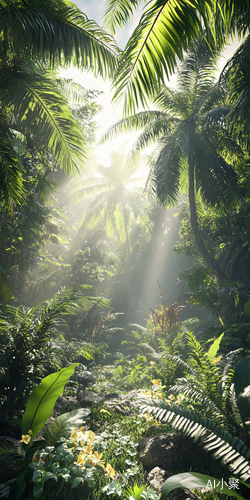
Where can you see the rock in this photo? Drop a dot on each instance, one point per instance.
(85, 378)
(66, 403)
(157, 478)
(169, 452)
(85, 396)
(182, 494)
(120, 407)
(112, 395)
(88, 397)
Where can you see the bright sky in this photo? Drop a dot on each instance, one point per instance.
(95, 10)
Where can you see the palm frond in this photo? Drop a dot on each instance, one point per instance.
(118, 13)
(161, 37)
(164, 177)
(76, 93)
(132, 123)
(215, 177)
(57, 32)
(230, 450)
(11, 171)
(40, 106)
(236, 74)
(152, 132)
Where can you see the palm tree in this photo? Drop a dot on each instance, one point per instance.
(163, 36)
(190, 127)
(37, 37)
(113, 200)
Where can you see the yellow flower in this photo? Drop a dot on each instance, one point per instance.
(148, 417)
(30, 432)
(25, 439)
(76, 434)
(172, 397)
(216, 360)
(89, 449)
(97, 455)
(151, 363)
(81, 459)
(96, 459)
(157, 423)
(156, 382)
(91, 436)
(109, 471)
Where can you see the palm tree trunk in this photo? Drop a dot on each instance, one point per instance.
(209, 261)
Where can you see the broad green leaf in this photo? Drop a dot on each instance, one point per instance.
(191, 480)
(214, 348)
(242, 390)
(63, 424)
(42, 400)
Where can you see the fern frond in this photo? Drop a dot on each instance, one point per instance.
(185, 367)
(231, 450)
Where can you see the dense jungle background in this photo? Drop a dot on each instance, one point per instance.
(124, 283)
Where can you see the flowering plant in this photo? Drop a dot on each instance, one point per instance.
(73, 460)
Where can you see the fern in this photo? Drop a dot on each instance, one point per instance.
(230, 450)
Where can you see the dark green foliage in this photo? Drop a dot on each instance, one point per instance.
(32, 345)
(236, 336)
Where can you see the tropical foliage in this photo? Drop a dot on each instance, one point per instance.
(162, 37)
(32, 342)
(65, 244)
(36, 37)
(192, 140)
(218, 413)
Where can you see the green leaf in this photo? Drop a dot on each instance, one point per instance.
(76, 482)
(113, 489)
(49, 475)
(242, 390)
(192, 481)
(63, 424)
(42, 400)
(214, 348)
(38, 489)
(20, 484)
(36, 475)
(37, 445)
